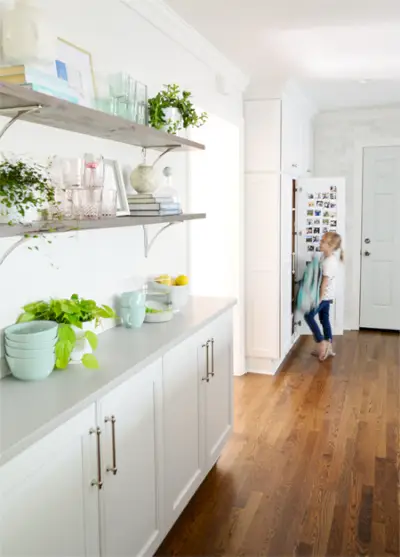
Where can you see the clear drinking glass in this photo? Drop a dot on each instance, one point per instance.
(141, 104)
(92, 171)
(109, 203)
(87, 203)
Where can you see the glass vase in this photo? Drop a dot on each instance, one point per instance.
(92, 171)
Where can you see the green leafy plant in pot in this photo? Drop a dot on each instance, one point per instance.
(172, 109)
(77, 319)
(25, 190)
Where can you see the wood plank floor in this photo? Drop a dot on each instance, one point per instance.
(313, 464)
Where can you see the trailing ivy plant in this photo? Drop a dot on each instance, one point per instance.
(171, 96)
(68, 313)
(24, 185)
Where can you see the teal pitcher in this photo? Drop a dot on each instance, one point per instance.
(133, 309)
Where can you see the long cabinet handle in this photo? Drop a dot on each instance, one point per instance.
(99, 481)
(112, 468)
(212, 358)
(207, 347)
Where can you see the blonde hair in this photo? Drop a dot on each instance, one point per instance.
(334, 240)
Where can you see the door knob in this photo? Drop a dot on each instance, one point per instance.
(367, 253)
(367, 241)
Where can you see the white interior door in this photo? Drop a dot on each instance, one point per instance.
(380, 264)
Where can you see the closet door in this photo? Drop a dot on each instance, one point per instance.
(287, 256)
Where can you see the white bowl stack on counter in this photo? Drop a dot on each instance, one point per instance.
(173, 292)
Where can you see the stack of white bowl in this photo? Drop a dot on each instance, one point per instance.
(30, 349)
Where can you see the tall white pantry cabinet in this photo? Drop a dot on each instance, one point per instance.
(278, 150)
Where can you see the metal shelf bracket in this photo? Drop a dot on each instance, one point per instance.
(21, 110)
(148, 244)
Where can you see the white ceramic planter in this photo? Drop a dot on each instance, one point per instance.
(82, 345)
(173, 115)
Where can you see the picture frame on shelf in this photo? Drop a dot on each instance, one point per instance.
(114, 180)
(74, 65)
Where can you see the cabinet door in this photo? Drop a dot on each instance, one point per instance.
(130, 517)
(218, 391)
(262, 135)
(48, 506)
(287, 215)
(183, 439)
(292, 139)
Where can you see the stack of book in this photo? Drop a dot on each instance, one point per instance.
(148, 205)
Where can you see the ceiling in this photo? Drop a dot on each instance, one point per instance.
(344, 52)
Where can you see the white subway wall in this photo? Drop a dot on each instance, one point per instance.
(338, 136)
(102, 263)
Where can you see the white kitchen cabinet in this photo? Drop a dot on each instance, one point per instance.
(218, 366)
(48, 507)
(287, 254)
(183, 435)
(131, 513)
(262, 132)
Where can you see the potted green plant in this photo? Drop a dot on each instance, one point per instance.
(78, 319)
(172, 110)
(25, 189)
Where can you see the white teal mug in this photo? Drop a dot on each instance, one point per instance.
(133, 309)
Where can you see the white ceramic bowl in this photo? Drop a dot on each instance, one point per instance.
(178, 297)
(161, 315)
(31, 369)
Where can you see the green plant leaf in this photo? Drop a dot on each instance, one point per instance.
(63, 353)
(90, 361)
(25, 317)
(106, 312)
(66, 334)
(92, 339)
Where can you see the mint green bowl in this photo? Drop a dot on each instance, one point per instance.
(47, 345)
(34, 333)
(26, 353)
(31, 369)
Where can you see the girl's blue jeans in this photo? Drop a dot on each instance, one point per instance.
(323, 313)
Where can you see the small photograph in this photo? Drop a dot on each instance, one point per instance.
(333, 189)
(325, 196)
(309, 240)
(309, 230)
(310, 213)
(325, 222)
(326, 214)
(311, 195)
(333, 215)
(333, 223)
(326, 204)
(317, 213)
(333, 195)
(311, 203)
(316, 231)
(317, 248)
(315, 239)
(310, 222)
(318, 196)
(320, 204)
(325, 229)
(332, 230)
(332, 205)
(310, 248)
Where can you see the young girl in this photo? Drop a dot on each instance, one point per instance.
(331, 242)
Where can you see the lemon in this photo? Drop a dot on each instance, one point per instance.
(164, 279)
(182, 280)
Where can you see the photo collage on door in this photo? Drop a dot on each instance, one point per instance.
(321, 218)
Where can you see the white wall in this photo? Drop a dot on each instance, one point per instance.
(338, 138)
(134, 39)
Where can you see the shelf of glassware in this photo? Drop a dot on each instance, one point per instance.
(9, 231)
(46, 110)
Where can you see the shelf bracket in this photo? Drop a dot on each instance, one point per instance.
(167, 150)
(148, 244)
(21, 111)
(8, 252)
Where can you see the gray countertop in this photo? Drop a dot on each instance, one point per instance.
(30, 410)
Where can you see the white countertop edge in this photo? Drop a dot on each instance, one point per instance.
(65, 415)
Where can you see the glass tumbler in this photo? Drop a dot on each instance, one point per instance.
(87, 203)
(93, 171)
(109, 203)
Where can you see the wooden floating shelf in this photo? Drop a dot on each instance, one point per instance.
(7, 231)
(57, 113)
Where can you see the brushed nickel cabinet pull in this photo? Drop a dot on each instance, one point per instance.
(112, 468)
(207, 347)
(212, 358)
(99, 481)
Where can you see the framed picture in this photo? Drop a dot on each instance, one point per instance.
(114, 180)
(74, 65)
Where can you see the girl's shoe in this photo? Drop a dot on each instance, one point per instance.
(331, 352)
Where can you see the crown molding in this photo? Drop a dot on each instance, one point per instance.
(161, 16)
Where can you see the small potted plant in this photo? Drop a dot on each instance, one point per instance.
(172, 110)
(78, 320)
(25, 190)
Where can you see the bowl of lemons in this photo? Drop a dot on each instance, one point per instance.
(176, 290)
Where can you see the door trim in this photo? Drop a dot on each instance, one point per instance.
(357, 220)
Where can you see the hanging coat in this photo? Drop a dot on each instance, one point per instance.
(310, 285)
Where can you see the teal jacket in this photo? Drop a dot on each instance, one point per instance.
(310, 285)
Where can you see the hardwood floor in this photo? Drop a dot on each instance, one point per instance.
(313, 465)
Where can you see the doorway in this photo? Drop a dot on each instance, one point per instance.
(380, 249)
